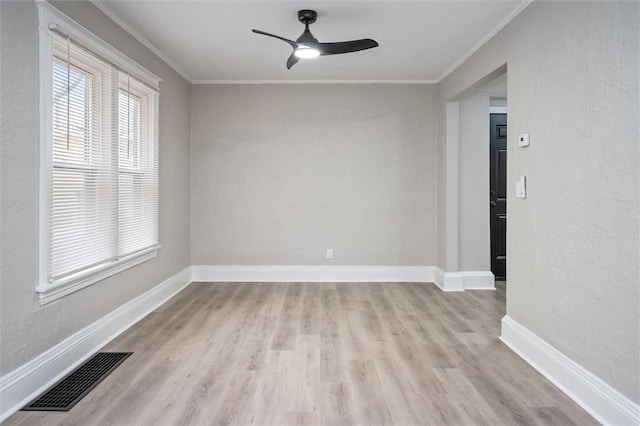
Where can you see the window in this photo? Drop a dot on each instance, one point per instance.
(99, 197)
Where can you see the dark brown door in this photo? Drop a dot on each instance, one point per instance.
(498, 194)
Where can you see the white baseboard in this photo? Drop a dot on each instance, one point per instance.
(448, 281)
(20, 386)
(478, 280)
(464, 280)
(604, 403)
(292, 273)
(599, 399)
(451, 281)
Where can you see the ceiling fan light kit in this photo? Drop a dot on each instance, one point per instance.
(307, 46)
(306, 52)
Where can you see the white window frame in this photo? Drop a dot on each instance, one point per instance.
(49, 19)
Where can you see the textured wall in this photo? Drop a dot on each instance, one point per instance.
(28, 329)
(474, 246)
(573, 244)
(281, 173)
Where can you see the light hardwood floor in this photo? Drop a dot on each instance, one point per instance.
(322, 354)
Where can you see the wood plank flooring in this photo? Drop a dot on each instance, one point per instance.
(320, 354)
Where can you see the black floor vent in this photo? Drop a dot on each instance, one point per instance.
(70, 390)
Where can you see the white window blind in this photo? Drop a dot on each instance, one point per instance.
(103, 165)
(137, 171)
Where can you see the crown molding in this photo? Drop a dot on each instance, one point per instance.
(314, 82)
(455, 65)
(503, 23)
(128, 28)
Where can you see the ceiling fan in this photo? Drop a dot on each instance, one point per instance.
(307, 46)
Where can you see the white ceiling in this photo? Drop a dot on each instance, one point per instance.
(209, 41)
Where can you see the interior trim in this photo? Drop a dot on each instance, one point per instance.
(26, 382)
(21, 385)
(596, 397)
(75, 282)
(145, 42)
(320, 273)
(135, 34)
(478, 280)
(449, 281)
(503, 23)
(314, 82)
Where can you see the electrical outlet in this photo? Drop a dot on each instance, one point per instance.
(329, 253)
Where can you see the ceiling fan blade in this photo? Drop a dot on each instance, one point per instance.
(346, 46)
(290, 42)
(293, 59)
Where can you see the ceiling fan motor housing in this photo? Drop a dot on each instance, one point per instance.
(307, 16)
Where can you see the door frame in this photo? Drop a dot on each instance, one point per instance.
(452, 278)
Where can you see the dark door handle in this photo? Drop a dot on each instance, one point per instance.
(492, 204)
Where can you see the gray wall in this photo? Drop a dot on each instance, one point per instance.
(280, 173)
(28, 329)
(573, 246)
(474, 238)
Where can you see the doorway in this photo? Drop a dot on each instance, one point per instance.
(498, 194)
(470, 254)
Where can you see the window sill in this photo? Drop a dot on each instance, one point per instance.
(65, 286)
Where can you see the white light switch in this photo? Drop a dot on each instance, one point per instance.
(521, 187)
(523, 140)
